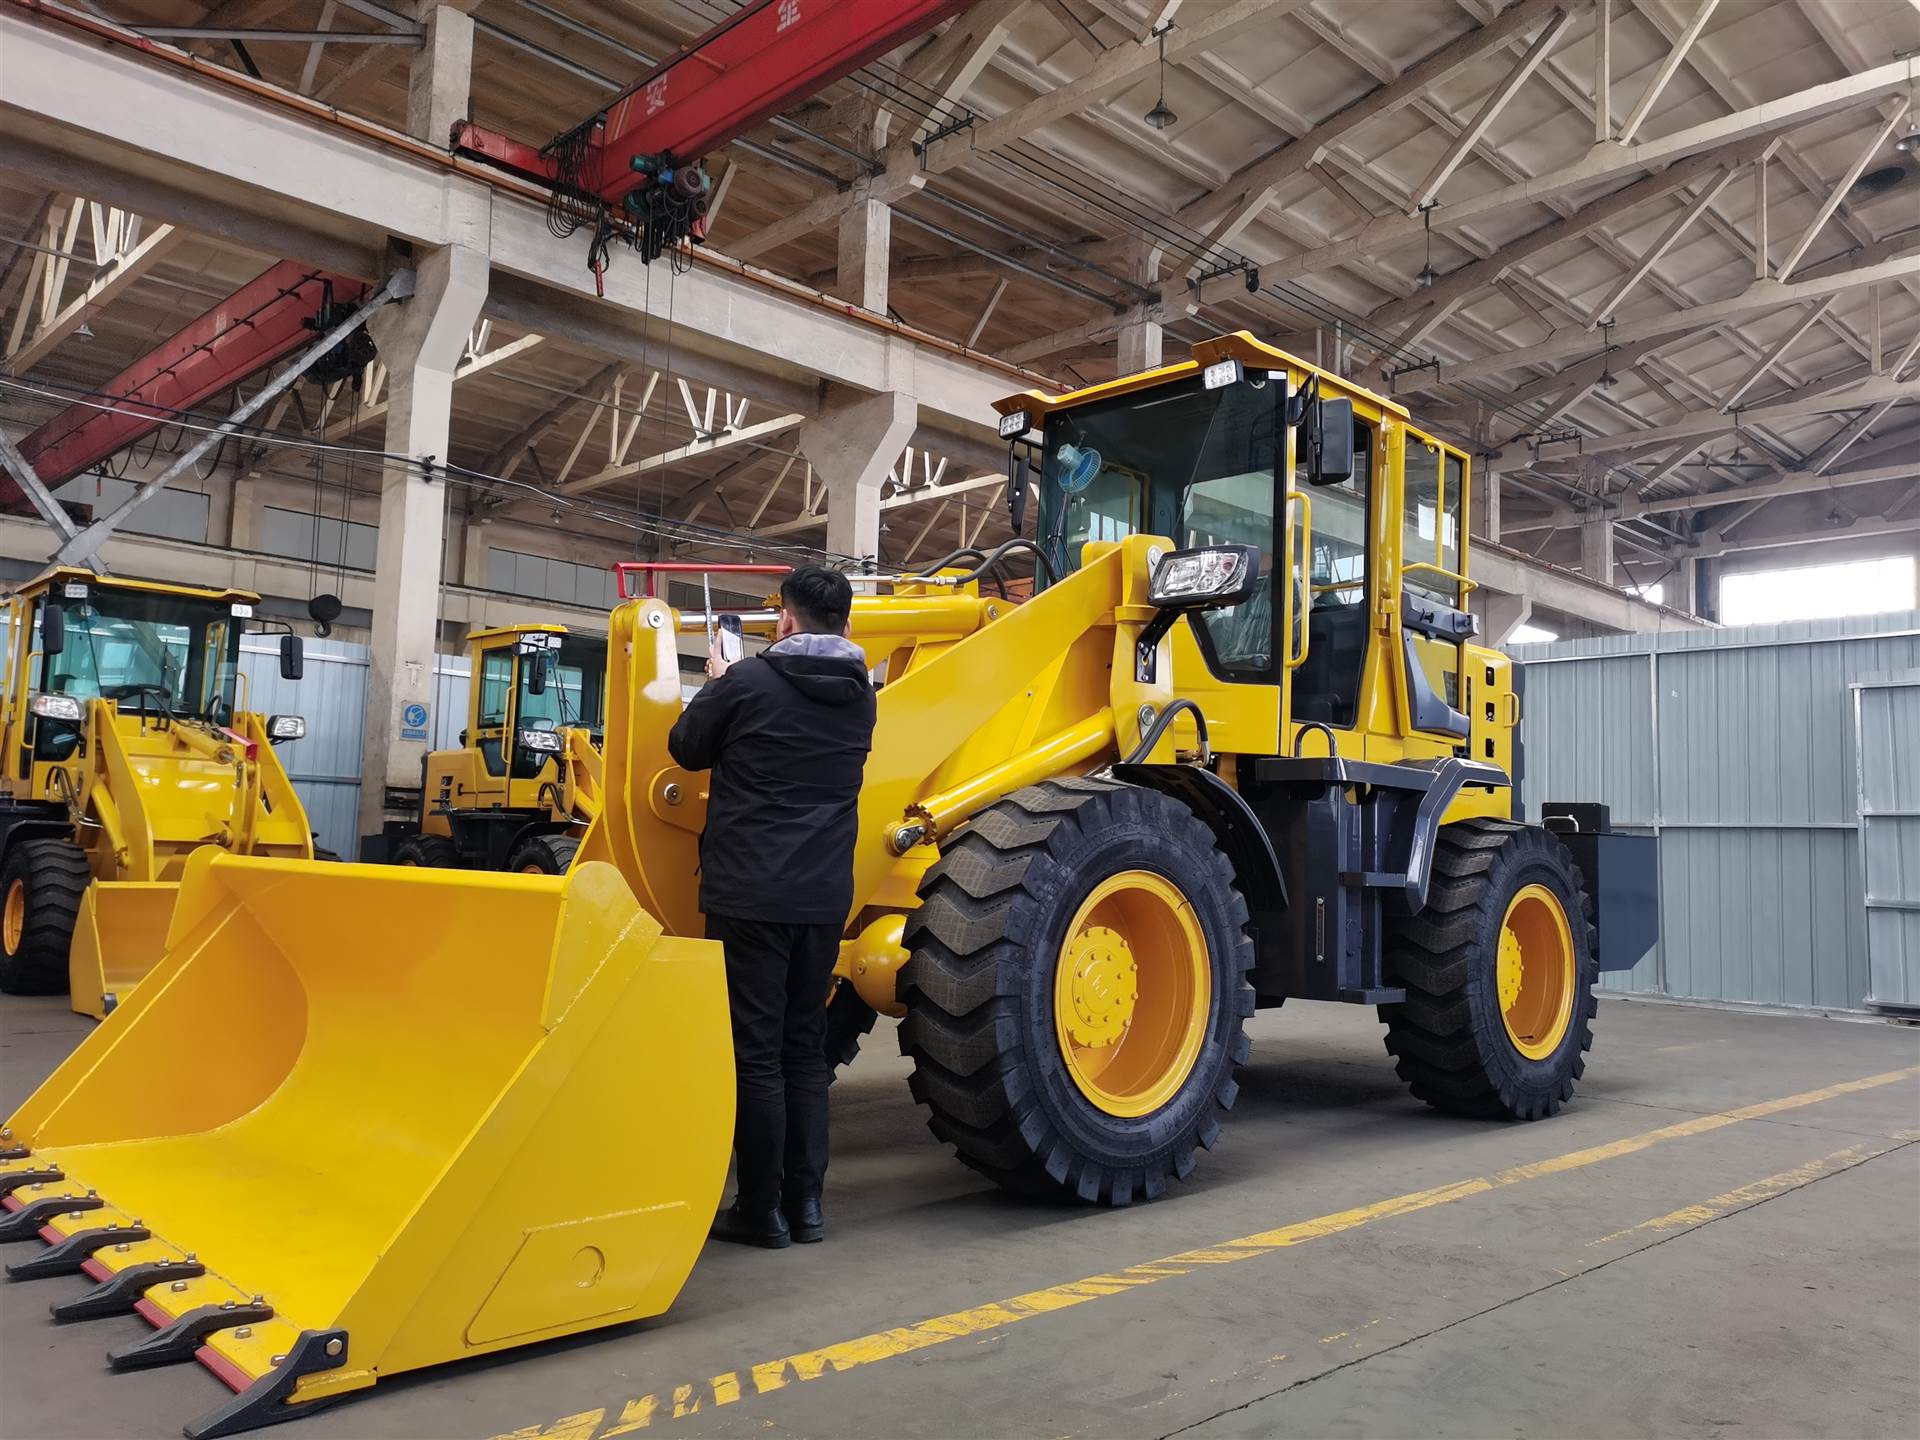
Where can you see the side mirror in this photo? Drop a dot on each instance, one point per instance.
(1017, 472)
(293, 657)
(536, 664)
(53, 629)
(1330, 434)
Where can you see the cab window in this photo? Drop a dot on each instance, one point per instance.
(1431, 524)
(496, 686)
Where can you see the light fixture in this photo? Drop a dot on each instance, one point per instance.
(1607, 378)
(1428, 274)
(1908, 144)
(1160, 116)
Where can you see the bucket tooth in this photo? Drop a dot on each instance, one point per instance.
(265, 1401)
(118, 1294)
(25, 1223)
(13, 1152)
(184, 1336)
(13, 1180)
(66, 1257)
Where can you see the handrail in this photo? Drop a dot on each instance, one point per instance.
(1297, 624)
(1457, 575)
(650, 568)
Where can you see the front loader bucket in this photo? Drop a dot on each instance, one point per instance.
(362, 1119)
(120, 936)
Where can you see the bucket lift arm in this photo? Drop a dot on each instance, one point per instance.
(635, 169)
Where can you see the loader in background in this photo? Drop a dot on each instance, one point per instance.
(127, 749)
(1237, 749)
(524, 785)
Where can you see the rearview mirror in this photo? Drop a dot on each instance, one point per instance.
(53, 629)
(536, 664)
(293, 657)
(1330, 434)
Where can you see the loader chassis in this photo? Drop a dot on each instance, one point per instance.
(1236, 749)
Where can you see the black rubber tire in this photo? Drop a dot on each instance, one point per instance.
(55, 875)
(979, 991)
(332, 857)
(1447, 1037)
(849, 1020)
(543, 854)
(430, 852)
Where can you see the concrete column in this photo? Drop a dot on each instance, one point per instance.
(476, 531)
(421, 342)
(1596, 550)
(244, 506)
(866, 236)
(851, 444)
(1139, 344)
(1500, 615)
(1483, 508)
(439, 76)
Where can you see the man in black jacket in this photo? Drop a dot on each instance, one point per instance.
(786, 735)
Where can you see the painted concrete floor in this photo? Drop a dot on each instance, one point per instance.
(1720, 1237)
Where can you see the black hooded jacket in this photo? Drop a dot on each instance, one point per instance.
(786, 735)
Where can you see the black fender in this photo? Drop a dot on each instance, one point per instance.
(1256, 866)
(32, 820)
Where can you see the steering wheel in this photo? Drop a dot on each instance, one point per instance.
(220, 710)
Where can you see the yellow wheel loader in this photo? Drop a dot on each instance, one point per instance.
(1237, 749)
(524, 785)
(126, 750)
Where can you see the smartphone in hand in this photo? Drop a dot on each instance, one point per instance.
(732, 646)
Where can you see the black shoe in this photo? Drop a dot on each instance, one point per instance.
(805, 1221)
(768, 1231)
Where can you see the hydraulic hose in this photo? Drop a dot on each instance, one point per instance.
(1159, 728)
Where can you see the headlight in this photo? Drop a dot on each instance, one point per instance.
(1221, 373)
(1014, 425)
(58, 707)
(547, 742)
(286, 727)
(1216, 574)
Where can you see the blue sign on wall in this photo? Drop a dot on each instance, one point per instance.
(413, 721)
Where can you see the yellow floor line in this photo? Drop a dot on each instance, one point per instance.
(1744, 1195)
(696, 1396)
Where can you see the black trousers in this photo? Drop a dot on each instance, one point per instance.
(777, 981)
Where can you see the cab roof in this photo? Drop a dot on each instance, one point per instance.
(62, 574)
(1240, 345)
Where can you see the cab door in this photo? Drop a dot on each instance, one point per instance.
(1433, 623)
(491, 720)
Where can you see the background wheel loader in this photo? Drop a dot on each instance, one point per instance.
(524, 785)
(126, 749)
(1237, 749)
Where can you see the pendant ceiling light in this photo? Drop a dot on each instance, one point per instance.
(1160, 116)
(1607, 378)
(1428, 274)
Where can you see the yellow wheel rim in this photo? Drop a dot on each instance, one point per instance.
(533, 868)
(14, 920)
(1131, 993)
(1536, 972)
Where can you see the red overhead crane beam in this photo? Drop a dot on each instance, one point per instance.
(640, 155)
(249, 330)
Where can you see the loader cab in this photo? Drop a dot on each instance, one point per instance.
(1358, 625)
(530, 684)
(156, 652)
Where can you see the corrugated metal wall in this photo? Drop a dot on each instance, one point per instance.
(1736, 748)
(332, 696)
(1887, 734)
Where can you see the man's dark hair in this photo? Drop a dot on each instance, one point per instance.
(817, 598)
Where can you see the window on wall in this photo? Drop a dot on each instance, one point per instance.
(322, 539)
(1818, 592)
(540, 577)
(174, 513)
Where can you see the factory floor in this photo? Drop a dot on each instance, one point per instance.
(1721, 1236)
